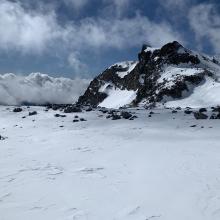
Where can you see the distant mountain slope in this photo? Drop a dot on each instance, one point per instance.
(170, 75)
(39, 89)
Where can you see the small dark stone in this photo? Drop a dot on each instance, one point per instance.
(133, 117)
(188, 112)
(75, 120)
(202, 110)
(89, 109)
(216, 109)
(178, 108)
(32, 113)
(71, 109)
(214, 116)
(193, 126)
(126, 115)
(200, 115)
(76, 116)
(24, 117)
(116, 117)
(2, 138)
(108, 116)
(103, 110)
(17, 110)
(82, 119)
(174, 111)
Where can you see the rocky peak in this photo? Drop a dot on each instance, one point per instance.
(163, 72)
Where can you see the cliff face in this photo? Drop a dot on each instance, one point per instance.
(160, 74)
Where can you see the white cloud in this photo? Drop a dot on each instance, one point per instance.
(39, 89)
(25, 31)
(30, 31)
(77, 64)
(205, 22)
(120, 33)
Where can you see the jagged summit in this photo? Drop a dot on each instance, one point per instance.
(160, 76)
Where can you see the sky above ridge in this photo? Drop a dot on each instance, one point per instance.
(80, 38)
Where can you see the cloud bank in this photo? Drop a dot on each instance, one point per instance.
(39, 89)
(40, 31)
(205, 22)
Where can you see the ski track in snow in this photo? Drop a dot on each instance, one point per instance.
(151, 168)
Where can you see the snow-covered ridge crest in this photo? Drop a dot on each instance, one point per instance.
(38, 89)
(161, 75)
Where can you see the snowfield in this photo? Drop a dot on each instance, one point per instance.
(156, 168)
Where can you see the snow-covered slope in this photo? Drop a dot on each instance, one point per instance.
(171, 75)
(153, 168)
(38, 89)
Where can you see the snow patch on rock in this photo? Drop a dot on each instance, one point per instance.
(124, 68)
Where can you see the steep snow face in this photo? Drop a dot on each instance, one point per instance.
(171, 74)
(117, 98)
(39, 88)
(204, 95)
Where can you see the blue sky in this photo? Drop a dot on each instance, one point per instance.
(80, 38)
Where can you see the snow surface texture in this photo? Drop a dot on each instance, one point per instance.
(39, 88)
(205, 95)
(148, 169)
(116, 97)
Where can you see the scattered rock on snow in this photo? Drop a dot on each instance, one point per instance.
(32, 113)
(58, 115)
(188, 112)
(215, 116)
(174, 111)
(17, 109)
(202, 110)
(200, 115)
(126, 115)
(72, 108)
(82, 119)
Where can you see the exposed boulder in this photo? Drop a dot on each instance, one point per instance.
(17, 109)
(32, 113)
(188, 112)
(200, 115)
(72, 109)
(126, 115)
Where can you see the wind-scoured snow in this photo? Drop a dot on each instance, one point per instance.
(205, 95)
(39, 89)
(117, 98)
(172, 73)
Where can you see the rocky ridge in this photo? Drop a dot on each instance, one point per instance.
(161, 74)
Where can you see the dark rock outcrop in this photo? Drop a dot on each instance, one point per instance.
(17, 109)
(200, 115)
(145, 77)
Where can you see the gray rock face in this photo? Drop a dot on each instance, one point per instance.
(145, 77)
